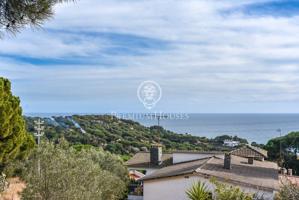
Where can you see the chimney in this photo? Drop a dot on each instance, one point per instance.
(156, 154)
(283, 171)
(250, 160)
(227, 161)
(290, 172)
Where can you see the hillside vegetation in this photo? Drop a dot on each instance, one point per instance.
(288, 157)
(120, 136)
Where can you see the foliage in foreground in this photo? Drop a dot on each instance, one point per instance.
(70, 174)
(15, 14)
(3, 183)
(199, 191)
(288, 191)
(15, 142)
(225, 192)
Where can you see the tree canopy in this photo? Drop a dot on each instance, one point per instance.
(67, 173)
(289, 149)
(120, 136)
(14, 139)
(15, 14)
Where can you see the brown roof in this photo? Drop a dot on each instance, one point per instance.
(249, 150)
(142, 160)
(259, 150)
(259, 174)
(262, 175)
(177, 169)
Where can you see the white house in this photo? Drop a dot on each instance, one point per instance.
(171, 183)
(231, 143)
(170, 176)
(149, 162)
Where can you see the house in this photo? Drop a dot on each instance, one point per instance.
(149, 162)
(231, 143)
(251, 151)
(245, 167)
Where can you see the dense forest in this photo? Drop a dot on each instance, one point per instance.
(121, 136)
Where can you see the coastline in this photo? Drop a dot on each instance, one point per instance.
(253, 127)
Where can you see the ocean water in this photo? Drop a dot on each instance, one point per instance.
(254, 127)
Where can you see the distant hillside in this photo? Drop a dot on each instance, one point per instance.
(120, 136)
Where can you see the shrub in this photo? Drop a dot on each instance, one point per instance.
(66, 173)
(3, 183)
(222, 191)
(228, 192)
(199, 191)
(288, 191)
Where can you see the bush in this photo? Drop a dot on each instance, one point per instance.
(3, 183)
(66, 173)
(199, 191)
(225, 192)
(222, 191)
(288, 192)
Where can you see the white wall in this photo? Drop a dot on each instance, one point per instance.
(175, 188)
(169, 188)
(183, 157)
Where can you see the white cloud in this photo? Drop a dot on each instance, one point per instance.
(212, 57)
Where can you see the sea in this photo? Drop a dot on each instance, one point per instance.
(258, 128)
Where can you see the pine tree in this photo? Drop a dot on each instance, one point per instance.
(15, 142)
(15, 14)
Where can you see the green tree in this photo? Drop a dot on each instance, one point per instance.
(289, 146)
(15, 14)
(199, 191)
(67, 173)
(15, 142)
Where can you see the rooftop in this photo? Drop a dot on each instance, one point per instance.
(142, 160)
(177, 169)
(249, 150)
(262, 175)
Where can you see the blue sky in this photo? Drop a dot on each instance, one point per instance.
(208, 56)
